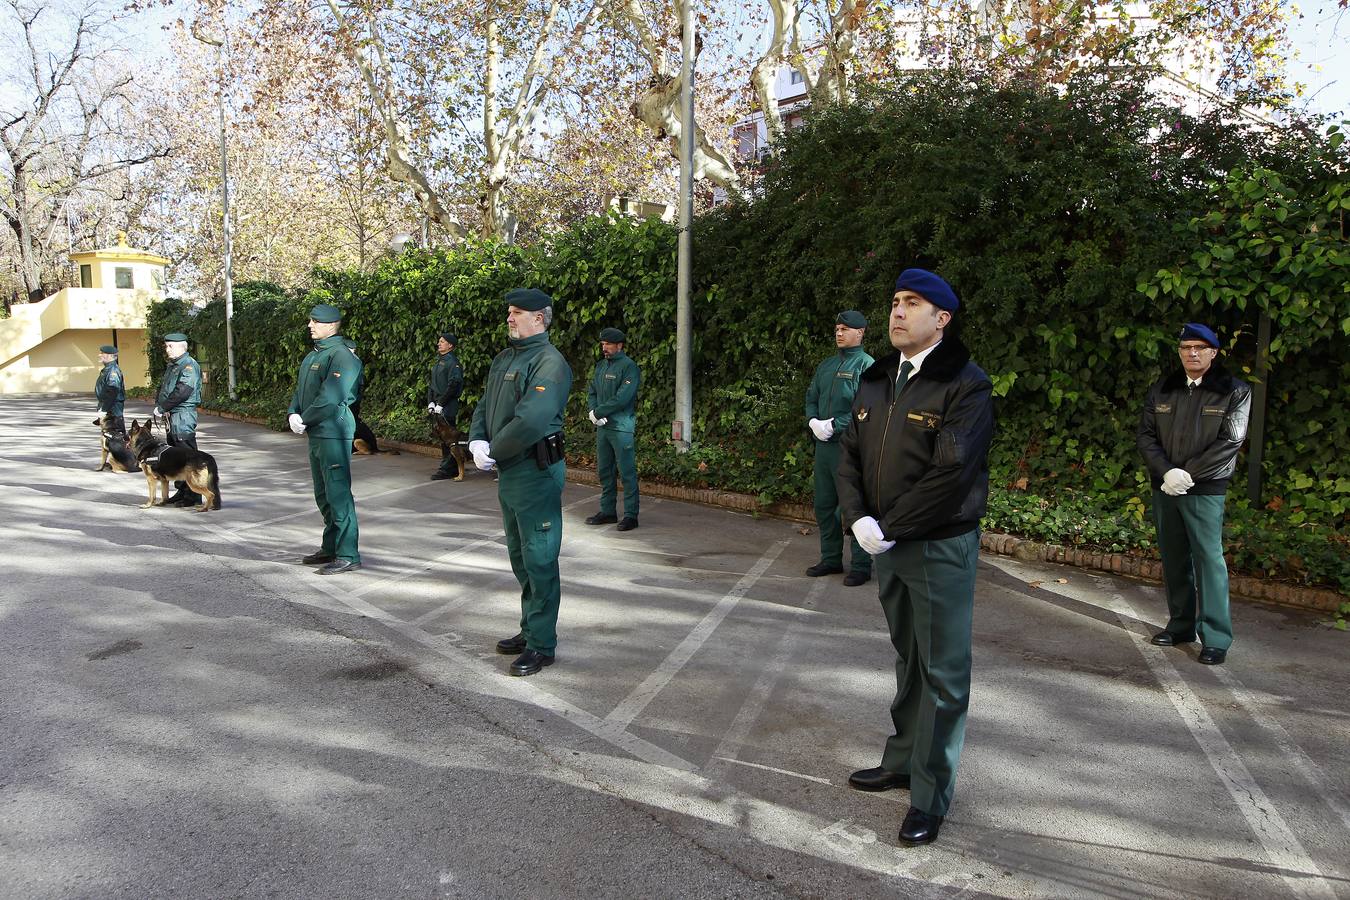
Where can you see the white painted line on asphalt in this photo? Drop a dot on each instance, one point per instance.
(741, 762)
(311, 510)
(441, 560)
(1288, 746)
(653, 684)
(739, 730)
(1282, 848)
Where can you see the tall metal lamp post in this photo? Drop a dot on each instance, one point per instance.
(225, 212)
(683, 426)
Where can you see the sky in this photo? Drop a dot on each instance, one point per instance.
(1322, 38)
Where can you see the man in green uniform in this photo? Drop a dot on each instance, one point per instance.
(110, 389)
(612, 399)
(180, 392)
(326, 386)
(517, 428)
(913, 483)
(1193, 424)
(447, 383)
(829, 405)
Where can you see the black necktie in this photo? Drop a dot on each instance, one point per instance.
(905, 368)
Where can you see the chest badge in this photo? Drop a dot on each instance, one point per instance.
(862, 414)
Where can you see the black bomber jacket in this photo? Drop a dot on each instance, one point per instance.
(1199, 430)
(919, 462)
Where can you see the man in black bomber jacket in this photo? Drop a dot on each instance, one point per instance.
(913, 481)
(1193, 424)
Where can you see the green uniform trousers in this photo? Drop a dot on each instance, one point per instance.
(616, 449)
(927, 591)
(330, 468)
(531, 501)
(827, 513)
(1190, 537)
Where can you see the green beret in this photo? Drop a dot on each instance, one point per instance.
(852, 318)
(176, 336)
(325, 313)
(108, 348)
(611, 335)
(449, 338)
(528, 299)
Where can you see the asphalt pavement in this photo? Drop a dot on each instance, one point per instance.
(190, 712)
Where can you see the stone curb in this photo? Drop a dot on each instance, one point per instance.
(1246, 587)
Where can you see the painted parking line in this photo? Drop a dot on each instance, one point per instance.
(653, 684)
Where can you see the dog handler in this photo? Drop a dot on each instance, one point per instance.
(180, 392)
(327, 385)
(111, 391)
(447, 383)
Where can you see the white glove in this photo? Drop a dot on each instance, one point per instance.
(437, 409)
(823, 429)
(297, 424)
(594, 420)
(431, 407)
(158, 413)
(603, 421)
(869, 536)
(480, 450)
(1177, 482)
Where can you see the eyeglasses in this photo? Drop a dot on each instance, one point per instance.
(1194, 348)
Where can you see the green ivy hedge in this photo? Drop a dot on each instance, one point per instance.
(1064, 221)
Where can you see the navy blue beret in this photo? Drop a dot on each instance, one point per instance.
(1194, 331)
(528, 299)
(449, 338)
(928, 286)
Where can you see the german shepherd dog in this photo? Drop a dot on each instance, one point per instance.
(114, 447)
(365, 443)
(162, 464)
(447, 433)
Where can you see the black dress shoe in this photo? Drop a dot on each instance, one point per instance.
(919, 827)
(438, 475)
(338, 566)
(318, 558)
(1213, 656)
(853, 579)
(878, 779)
(529, 662)
(628, 524)
(820, 569)
(1168, 639)
(602, 519)
(187, 501)
(508, 646)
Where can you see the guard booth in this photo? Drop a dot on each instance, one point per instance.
(51, 346)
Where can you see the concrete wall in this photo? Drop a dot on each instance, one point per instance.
(52, 346)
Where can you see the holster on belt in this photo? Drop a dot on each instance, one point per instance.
(549, 450)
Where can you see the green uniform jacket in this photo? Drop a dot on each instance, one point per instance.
(180, 393)
(523, 401)
(110, 390)
(830, 395)
(326, 386)
(613, 393)
(447, 383)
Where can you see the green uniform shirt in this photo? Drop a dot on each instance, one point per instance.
(613, 393)
(447, 383)
(325, 388)
(182, 378)
(830, 395)
(523, 400)
(110, 390)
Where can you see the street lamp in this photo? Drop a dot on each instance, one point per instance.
(225, 211)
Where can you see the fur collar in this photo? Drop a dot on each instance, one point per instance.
(1216, 380)
(943, 364)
